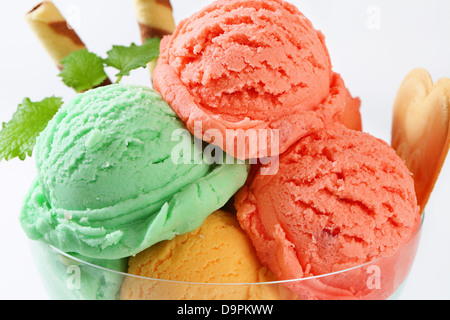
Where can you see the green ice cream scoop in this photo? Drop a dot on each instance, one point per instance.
(108, 186)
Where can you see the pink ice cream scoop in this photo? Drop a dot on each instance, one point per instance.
(341, 198)
(242, 67)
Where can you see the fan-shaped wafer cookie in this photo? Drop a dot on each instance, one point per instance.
(420, 131)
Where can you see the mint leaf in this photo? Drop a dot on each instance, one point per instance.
(126, 59)
(83, 70)
(18, 136)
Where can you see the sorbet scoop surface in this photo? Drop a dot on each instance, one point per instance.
(251, 65)
(107, 184)
(341, 198)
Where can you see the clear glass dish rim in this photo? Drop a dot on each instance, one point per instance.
(124, 274)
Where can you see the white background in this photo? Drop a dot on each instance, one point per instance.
(373, 44)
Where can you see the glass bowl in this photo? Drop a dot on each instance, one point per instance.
(66, 277)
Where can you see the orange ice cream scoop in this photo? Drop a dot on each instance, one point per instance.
(218, 252)
(341, 198)
(240, 68)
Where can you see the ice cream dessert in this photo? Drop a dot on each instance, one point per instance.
(218, 252)
(341, 198)
(108, 186)
(240, 67)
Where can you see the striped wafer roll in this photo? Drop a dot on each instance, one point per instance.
(51, 28)
(55, 34)
(155, 19)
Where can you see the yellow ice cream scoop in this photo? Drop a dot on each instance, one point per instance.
(205, 262)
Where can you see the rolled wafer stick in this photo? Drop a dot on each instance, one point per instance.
(54, 33)
(155, 19)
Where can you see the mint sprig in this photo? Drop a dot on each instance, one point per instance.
(18, 136)
(126, 59)
(82, 70)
